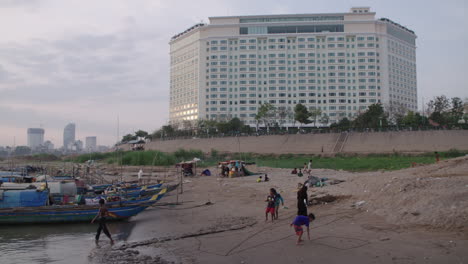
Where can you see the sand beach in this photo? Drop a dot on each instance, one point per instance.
(415, 215)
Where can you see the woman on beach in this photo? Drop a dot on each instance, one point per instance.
(102, 214)
(302, 201)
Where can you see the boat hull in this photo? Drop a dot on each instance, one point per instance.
(76, 213)
(66, 215)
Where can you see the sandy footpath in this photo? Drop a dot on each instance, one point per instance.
(416, 215)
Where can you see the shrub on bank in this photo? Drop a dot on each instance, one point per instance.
(341, 161)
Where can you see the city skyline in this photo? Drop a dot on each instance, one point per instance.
(113, 63)
(36, 138)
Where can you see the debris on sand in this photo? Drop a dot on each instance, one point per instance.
(325, 199)
(358, 204)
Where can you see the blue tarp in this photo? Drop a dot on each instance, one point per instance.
(23, 198)
(8, 179)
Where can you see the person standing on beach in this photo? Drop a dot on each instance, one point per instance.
(270, 206)
(302, 201)
(278, 199)
(298, 222)
(309, 166)
(437, 156)
(102, 214)
(140, 175)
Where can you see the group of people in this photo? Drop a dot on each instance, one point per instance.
(260, 179)
(274, 199)
(302, 218)
(307, 168)
(233, 169)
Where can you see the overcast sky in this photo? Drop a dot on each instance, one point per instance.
(90, 62)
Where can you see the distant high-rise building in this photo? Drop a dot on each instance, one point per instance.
(48, 145)
(338, 63)
(90, 144)
(35, 137)
(69, 136)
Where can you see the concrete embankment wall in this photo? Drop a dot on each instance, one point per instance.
(410, 141)
(372, 142)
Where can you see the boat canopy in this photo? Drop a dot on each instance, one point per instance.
(23, 198)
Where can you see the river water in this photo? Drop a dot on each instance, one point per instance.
(66, 243)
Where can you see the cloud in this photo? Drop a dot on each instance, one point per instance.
(91, 61)
(96, 76)
(19, 3)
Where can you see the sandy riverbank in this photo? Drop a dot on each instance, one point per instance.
(416, 215)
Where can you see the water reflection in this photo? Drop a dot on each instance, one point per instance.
(54, 243)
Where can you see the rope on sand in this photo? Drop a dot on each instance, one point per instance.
(248, 223)
(365, 242)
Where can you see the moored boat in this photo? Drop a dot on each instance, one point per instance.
(71, 213)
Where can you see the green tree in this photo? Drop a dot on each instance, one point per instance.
(373, 117)
(223, 127)
(22, 151)
(141, 134)
(315, 114)
(456, 112)
(439, 104)
(301, 114)
(235, 125)
(168, 131)
(410, 119)
(439, 108)
(266, 112)
(128, 137)
(343, 124)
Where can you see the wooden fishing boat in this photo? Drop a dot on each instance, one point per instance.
(98, 189)
(71, 213)
(126, 194)
(159, 196)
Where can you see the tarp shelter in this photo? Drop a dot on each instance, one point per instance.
(23, 198)
(61, 192)
(137, 144)
(189, 167)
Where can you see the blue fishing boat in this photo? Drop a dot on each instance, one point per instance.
(70, 214)
(126, 194)
(156, 197)
(137, 188)
(123, 186)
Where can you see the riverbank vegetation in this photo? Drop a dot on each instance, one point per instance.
(349, 162)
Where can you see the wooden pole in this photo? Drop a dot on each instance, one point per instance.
(181, 181)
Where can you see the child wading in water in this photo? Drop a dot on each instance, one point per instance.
(270, 206)
(102, 214)
(298, 222)
(278, 200)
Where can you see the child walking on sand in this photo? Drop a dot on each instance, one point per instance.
(278, 200)
(270, 206)
(298, 222)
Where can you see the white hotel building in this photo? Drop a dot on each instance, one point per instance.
(340, 63)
